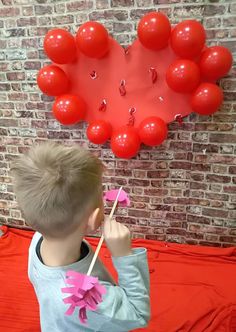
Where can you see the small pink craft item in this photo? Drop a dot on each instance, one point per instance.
(85, 291)
(111, 195)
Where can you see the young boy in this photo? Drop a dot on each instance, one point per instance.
(59, 190)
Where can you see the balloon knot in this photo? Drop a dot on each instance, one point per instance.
(103, 106)
(179, 119)
(93, 75)
(153, 74)
(131, 121)
(122, 88)
(127, 49)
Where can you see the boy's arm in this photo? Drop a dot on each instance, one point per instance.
(127, 306)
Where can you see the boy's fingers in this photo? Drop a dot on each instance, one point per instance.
(120, 228)
(113, 227)
(124, 230)
(117, 238)
(107, 225)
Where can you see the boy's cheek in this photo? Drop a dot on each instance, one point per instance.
(101, 216)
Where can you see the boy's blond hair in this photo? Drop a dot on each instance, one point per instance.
(56, 183)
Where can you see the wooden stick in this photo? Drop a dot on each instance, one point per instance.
(102, 237)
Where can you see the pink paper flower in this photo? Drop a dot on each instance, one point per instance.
(111, 195)
(86, 293)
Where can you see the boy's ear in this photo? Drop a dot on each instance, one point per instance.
(94, 220)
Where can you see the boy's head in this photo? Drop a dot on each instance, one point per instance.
(57, 187)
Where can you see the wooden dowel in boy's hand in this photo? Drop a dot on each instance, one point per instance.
(102, 237)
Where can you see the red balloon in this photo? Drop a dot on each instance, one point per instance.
(52, 80)
(69, 109)
(188, 39)
(215, 62)
(125, 142)
(207, 99)
(93, 39)
(59, 45)
(99, 131)
(154, 31)
(183, 76)
(153, 131)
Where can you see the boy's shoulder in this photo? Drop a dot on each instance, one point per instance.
(36, 266)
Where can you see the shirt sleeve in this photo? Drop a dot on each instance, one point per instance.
(31, 251)
(127, 306)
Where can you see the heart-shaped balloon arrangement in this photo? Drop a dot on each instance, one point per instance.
(129, 95)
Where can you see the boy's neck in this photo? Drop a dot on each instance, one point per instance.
(61, 252)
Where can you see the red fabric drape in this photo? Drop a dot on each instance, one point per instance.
(193, 288)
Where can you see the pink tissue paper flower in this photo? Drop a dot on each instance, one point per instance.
(86, 293)
(111, 195)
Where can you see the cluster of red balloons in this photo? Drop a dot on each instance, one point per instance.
(194, 72)
(125, 141)
(92, 39)
(198, 66)
(61, 47)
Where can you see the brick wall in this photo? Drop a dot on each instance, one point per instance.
(184, 190)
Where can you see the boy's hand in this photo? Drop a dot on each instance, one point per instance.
(117, 237)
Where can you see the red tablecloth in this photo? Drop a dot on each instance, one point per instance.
(193, 288)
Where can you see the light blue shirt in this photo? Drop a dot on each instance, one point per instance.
(124, 307)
